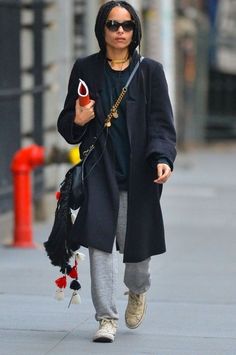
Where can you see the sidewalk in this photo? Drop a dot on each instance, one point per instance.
(192, 301)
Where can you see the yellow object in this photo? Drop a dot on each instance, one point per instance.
(74, 155)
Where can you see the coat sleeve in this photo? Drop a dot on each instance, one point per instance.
(161, 135)
(67, 128)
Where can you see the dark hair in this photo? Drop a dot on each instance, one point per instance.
(101, 21)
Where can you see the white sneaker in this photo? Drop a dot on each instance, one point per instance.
(136, 309)
(106, 332)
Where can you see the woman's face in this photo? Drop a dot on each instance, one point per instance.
(119, 39)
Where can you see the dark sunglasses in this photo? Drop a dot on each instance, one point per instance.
(113, 25)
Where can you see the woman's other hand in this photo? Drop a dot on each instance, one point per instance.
(163, 173)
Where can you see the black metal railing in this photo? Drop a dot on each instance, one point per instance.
(11, 90)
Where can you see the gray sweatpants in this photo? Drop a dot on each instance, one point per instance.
(104, 270)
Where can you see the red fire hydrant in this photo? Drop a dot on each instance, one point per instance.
(23, 162)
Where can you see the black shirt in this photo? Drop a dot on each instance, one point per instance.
(113, 84)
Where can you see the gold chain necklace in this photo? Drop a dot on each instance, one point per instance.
(117, 61)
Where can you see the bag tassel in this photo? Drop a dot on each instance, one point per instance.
(72, 272)
(57, 246)
(74, 285)
(61, 283)
(79, 256)
(75, 298)
(59, 295)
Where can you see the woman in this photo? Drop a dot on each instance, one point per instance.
(123, 190)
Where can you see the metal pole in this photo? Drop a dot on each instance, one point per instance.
(167, 31)
(38, 72)
(38, 136)
(9, 104)
(65, 33)
(91, 10)
(159, 25)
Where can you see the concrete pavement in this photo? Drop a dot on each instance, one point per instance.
(192, 301)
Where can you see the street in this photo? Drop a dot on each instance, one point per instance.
(192, 300)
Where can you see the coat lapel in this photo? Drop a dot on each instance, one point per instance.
(96, 74)
(136, 92)
(96, 79)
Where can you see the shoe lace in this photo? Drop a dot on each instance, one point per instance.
(108, 324)
(134, 299)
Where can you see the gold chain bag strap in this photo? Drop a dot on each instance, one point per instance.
(113, 112)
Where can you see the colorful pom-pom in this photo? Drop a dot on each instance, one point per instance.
(75, 298)
(59, 294)
(58, 195)
(79, 256)
(75, 285)
(61, 282)
(73, 272)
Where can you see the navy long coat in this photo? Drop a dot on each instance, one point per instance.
(151, 130)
